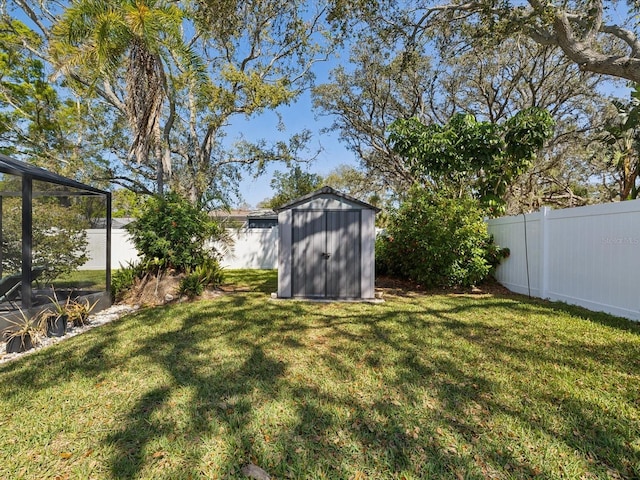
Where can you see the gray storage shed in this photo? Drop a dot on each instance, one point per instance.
(326, 247)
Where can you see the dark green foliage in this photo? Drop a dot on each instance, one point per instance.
(173, 233)
(191, 285)
(208, 273)
(437, 241)
(59, 237)
(622, 146)
(466, 157)
(291, 185)
(123, 279)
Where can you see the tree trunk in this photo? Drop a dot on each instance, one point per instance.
(159, 170)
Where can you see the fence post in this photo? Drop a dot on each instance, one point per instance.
(544, 252)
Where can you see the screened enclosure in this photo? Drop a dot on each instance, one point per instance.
(44, 219)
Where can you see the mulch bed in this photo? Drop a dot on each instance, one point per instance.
(396, 286)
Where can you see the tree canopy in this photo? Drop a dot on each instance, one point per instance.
(600, 36)
(174, 75)
(469, 157)
(451, 65)
(145, 93)
(291, 185)
(622, 157)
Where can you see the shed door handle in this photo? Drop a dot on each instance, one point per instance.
(326, 255)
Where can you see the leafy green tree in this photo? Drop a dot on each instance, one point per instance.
(41, 125)
(358, 184)
(180, 71)
(59, 237)
(600, 36)
(437, 241)
(126, 203)
(493, 84)
(29, 101)
(291, 185)
(623, 140)
(517, 74)
(381, 86)
(101, 40)
(468, 157)
(173, 233)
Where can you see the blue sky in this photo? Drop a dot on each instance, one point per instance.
(296, 117)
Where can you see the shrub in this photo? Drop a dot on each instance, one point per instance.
(173, 233)
(123, 279)
(437, 241)
(208, 273)
(59, 237)
(191, 285)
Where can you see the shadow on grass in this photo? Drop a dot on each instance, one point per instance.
(420, 387)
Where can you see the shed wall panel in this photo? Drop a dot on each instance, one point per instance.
(284, 254)
(367, 260)
(308, 246)
(327, 202)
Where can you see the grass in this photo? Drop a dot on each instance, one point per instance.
(422, 386)
(85, 279)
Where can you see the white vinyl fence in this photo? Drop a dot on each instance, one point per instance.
(122, 250)
(252, 248)
(587, 256)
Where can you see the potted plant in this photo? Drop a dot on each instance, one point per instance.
(54, 321)
(23, 333)
(79, 311)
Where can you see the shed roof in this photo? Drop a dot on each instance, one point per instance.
(16, 167)
(324, 191)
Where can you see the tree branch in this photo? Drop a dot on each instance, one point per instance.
(626, 36)
(589, 59)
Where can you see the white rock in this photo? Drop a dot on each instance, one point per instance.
(254, 471)
(99, 318)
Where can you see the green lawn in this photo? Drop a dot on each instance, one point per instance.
(85, 279)
(422, 386)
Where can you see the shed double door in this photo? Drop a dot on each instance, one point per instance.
(326, 253)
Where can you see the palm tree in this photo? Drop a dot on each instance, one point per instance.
(130, 41)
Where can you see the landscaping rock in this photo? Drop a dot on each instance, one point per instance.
(99, 318)
(253, 471)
